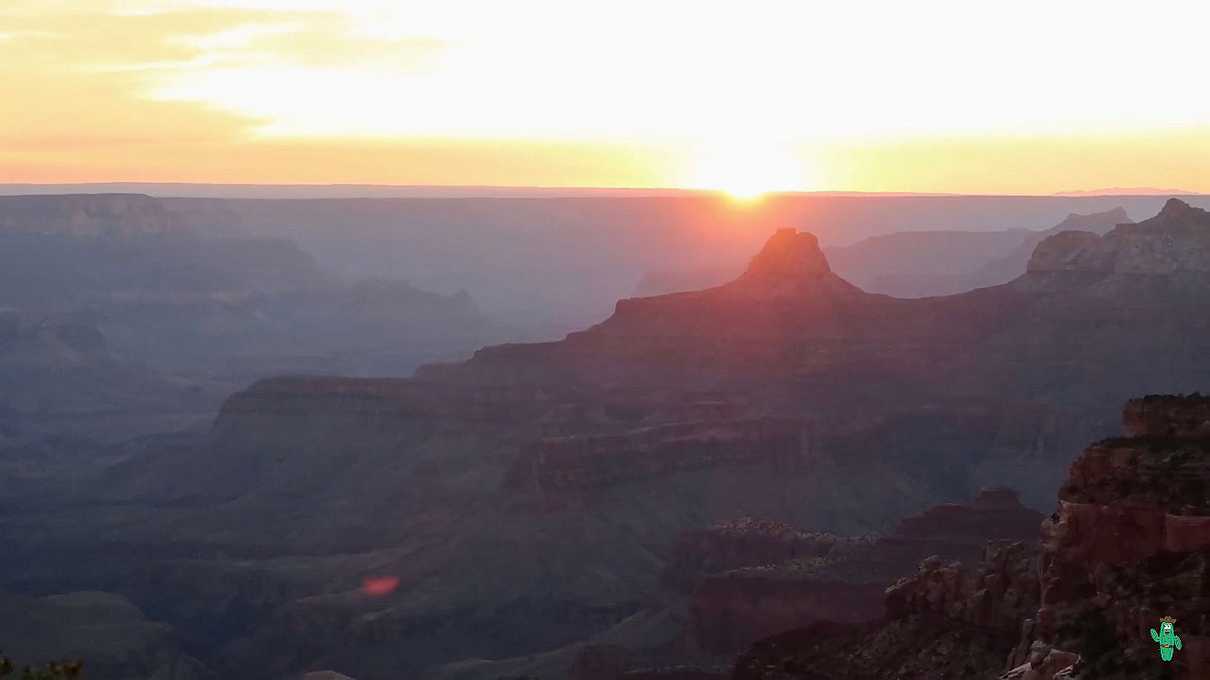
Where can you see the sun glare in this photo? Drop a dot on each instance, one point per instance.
(748, 172)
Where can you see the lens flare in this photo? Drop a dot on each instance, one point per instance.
(379, 586)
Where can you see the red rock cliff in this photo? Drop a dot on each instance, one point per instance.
(1129, 544)
(844, 579)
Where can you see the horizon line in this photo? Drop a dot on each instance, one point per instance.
(46, 188)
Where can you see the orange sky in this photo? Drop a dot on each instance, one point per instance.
(875, 96)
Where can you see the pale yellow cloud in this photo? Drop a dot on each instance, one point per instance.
(61, 94)
(937, 95)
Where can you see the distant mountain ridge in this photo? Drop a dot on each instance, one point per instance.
(109, 215)
(583, 253)
(1012, 265)
(912, 263)
(921, 264)
(294, 191)
(1129, 191)
(1177, 240)
(186, 311)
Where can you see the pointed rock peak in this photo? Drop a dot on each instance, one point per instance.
(1175, 207)
(1177, 213)
(789, 255)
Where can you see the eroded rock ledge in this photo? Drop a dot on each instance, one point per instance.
(1128, 544)
(834, 578)
(577, 463)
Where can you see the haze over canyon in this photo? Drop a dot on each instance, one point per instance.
(234, 443)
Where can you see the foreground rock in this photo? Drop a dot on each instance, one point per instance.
(1129, 544)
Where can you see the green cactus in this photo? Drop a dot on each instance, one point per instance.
(1167, 638)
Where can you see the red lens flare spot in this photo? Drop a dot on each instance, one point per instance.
(379, 586)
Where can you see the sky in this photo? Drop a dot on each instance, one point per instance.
(931, 96)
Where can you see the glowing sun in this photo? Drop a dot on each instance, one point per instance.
(748, 171)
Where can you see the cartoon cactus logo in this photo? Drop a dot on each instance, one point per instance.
(1167, 637)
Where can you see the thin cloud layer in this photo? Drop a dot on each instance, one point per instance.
(864, 95)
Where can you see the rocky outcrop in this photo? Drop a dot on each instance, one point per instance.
(844, 579)
(1070, 251)
(1174, 241)
(945, 620)
(1129, 544)
(913, 264)
(740, 543)
(1043, 662)
(565, 464)
(954, 531)
(996, 594)
(88, 215)
(1063, 246)
(950, 532)
(790, 257)
(789, 269)
(751, 578)
(1168, 417)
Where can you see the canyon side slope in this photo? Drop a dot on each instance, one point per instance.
(122, 316)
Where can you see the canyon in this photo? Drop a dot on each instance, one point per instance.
(540, 499)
